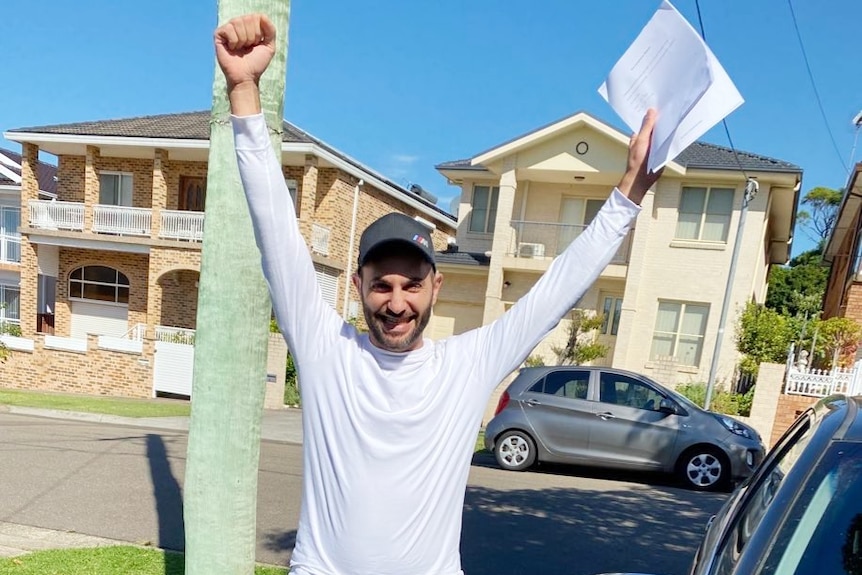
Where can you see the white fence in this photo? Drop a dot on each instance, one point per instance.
(52, 215)
(821, 383)
(122, 220)
(182, 225)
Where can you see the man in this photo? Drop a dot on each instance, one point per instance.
(389, 418)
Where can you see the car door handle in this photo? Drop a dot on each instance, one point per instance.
(533, 402)
(606, 415)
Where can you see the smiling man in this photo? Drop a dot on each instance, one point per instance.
(389, 417)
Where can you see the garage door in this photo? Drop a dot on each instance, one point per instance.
(99, 318)
(453, 318)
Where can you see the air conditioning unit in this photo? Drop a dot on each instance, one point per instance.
(530, 250)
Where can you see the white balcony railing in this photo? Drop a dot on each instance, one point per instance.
(122, 220)
(52, 215)
(182, 225)
(175, 334)
(548, 240)
(10, 249)
(320, 239)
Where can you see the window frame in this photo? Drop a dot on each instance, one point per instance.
(677, 333)
(4, 288)
(704, 212)
(120, 175)
(490, 209)
(82, 282)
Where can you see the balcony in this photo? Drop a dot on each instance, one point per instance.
(540, 240)
(177, 225)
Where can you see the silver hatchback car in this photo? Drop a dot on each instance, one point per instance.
(604, 417)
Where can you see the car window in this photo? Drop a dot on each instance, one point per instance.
(623, 390)
(823, 530)
(758, 498)
(572, 384)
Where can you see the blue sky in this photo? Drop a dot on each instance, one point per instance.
(402, 86)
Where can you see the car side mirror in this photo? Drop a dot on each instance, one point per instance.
(667, 406)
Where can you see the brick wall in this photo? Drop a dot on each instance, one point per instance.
(789, 408)
(97, 372)
(172, 286)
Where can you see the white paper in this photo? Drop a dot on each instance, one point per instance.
(671, 69)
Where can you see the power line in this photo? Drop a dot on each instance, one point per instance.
(814, 86)
(724, 120)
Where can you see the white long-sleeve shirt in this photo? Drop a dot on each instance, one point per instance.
(389, 437)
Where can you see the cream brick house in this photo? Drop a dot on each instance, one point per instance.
(524, 201)
(109, 267)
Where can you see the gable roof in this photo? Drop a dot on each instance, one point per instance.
(196, 126)
(699, 155)
(10, 172)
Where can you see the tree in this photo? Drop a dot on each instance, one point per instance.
(220, 508)
(762, 334)
(797, 289)
(841, 339)
(582, 344)
(819, 219)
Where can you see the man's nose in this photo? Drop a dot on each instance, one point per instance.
(397, 302)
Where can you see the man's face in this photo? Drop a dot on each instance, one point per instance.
(398, 292)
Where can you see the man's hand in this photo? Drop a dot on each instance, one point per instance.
(244, 48)
(636, 181)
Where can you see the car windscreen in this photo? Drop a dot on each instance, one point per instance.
(822, 531)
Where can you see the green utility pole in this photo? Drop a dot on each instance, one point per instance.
(220, 492)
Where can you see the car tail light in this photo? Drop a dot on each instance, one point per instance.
(501, 405)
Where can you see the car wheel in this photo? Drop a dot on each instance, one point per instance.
(515, 451)
(704, 468)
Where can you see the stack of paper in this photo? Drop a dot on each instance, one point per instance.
(670, 68)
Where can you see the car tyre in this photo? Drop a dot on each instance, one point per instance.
(515, 451)
(704, 468)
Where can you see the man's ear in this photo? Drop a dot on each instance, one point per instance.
(435, 288)
(357, 282)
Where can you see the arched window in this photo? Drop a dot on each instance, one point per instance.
(99, 283)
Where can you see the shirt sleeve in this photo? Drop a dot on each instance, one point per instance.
(306, 320)
(505, 343)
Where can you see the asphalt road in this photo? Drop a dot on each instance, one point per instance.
(126, 483)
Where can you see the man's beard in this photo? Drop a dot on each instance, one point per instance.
(395, 343)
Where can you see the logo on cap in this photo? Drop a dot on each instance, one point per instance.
(419, 239)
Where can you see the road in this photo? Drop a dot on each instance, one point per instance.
(125, 483)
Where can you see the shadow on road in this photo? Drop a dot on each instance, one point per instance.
(169, 503)
(582, 532)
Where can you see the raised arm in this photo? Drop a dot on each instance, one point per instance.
(244, 48)
(509, 339)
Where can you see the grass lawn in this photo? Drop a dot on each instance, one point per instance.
(480, 442)
(92, 404)
(120, 560)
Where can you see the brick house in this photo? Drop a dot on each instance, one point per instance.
(525, 200)
(109, 266)
(843, 297)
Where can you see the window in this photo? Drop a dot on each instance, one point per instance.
(484, 210)
(10, 305)
(704, 214)
(564, 383)
(292, 187)
(193, 193)
(115, 189)
(575, 215)
(626, 391)
(611, 309)
(99, 283)
(679, 330)
(10, 239)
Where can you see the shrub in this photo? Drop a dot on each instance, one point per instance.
(722, 401)
(291, 386)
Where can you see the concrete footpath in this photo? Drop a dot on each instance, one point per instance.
(283, 425)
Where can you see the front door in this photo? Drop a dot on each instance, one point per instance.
(193, 191)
